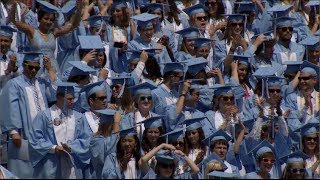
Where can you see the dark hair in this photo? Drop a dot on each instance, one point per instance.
(303, 144)
(220, 142)
(126, 20)
(287, 174)
(41, 13)
(160, 164)
(201, 137)
(120, 154)
(152, 68)
(145, 144)
(169, 73)
(77, 79)
(200, 75)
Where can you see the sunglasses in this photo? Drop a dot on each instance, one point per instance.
(304, 78)
(237, 24)
(226, 98)
(315, 139)
(115, 86)
(101, 98)
(210, 3)
(143, 98)
(30, 67)
(200, 18)
(284, 29)
(180, 143)
(166, 166)
(265, 160)
(295, 170)
(274, 90)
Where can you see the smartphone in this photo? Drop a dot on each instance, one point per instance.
(118, 44)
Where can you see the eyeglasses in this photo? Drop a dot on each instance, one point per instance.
(116, 86)
(30, 67)
(143, 98)
(180, 143)
(304, 78)
(200, 18)
(265, 160)
(295, 170)
(284, 29)
(166, 166)
(101, 98)
(210, 3)
(315, 139)
(237, 24)
(226, 98)
(274, 90)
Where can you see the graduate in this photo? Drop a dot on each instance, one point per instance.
(59, 138)
(295, 167)
(198, 18)
(104, 141)
(144, 39)
(8, 63)
(186, 43)
(124, 162)
(21, 100)
(312, 45)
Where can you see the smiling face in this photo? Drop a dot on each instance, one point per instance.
(47, 21)
(144, 102)
(128, 144)
(307, 82)
(153, 135)
(266, 162)
(310, 142)
(99, 101)
(193, 137)
(30, 69)
(285, 33)
(5, 43)
(146, 33)
(296, 171)
(242, 72)
(236, 27)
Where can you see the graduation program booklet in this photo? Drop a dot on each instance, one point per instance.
(21, 153)
(67, 166)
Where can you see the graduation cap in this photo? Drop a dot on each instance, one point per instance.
(128, 132)
(97, 21)
(93, 88)
(310, 68)
(173, 67)
(69, 8)
(47, 7)
(200, 42)
(65, 87)
(32, 56)
(236, 17)
(133, 55)
(222, 89)
(292, 66)
(213, 157)
(155, 6)
(144, 20)
(194, 123)
(164, 157)
(80, 68)
(280, 10)
(119, 4)
(7, 31)
(284, 22)
(222, 175)
(120, 78)
(151, 51)
(196, 64)
(90, 42)
(248, 123)
(245, 6)
(313, 4)
(189, 32)
(174, 135)
(242, 59)
(268, 34)
(262, 148)
(295, 157)
(312, 127)
(218, 135)
(152, 122)
(310, 43)
(199, 8)
(143, 88)
(106, 116)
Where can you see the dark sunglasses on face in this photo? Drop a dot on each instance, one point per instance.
(284, 29)
(82, 77)
(143, 98)
(115, 86)
(180, 143)
(315, 139)
(30, 67)
(166, 166)
(304, 78)
(101, 98)
(265, 160)
(210, 3)
(237, 24)
(274, 90)
(226, 98)
(200, 18)
(295, 170)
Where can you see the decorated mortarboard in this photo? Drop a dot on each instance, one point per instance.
(199, 8)
(90, 42)
(143, 88)
(246, 6)
(164, 157)
(106, 116)
(295, 157)
(280, 10)
(144, 20)
(262, 148)
(66, 87)
(292, 66)
(152, 122)
(189, 32)
(310, 68)
(69, 7)
(284, 22)
(235, 17)
(174, 135)
(200, 42)
(47, 7)
(242, 59)
(196, 64)
(80, 68)
(173, 67)
(194, 123)
(222, 175)
(32, 56)
(311, 42)
(218, 135)
(128, 132)
(97, 21)
(312, 127)
(7, 31)
(93, 88)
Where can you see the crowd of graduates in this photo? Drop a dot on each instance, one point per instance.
(159, 89)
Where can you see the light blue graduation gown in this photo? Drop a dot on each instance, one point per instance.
(152, 175)
(129, 121)
(293, 48)
(100, 148)
(161, 98)
(42, 139)
(7, 174)
(16, 115)
(180, 56)
(220, 53)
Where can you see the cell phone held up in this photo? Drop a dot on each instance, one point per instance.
(118, 44)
